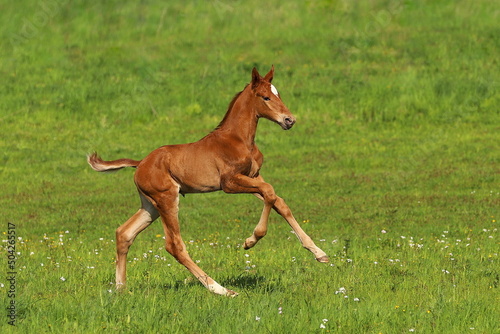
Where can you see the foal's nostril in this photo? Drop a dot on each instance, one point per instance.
(289, 121)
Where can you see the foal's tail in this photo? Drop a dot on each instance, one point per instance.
(100, 165)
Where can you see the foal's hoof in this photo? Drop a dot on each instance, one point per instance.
(248, 244)
(323, 259)
(231, 293)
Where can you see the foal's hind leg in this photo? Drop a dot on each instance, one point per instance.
(126, 234)
(167, 204)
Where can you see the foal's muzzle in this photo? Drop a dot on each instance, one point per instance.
(288, 122)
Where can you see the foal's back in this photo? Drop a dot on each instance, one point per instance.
(190, 167)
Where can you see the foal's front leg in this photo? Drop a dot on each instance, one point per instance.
(241, 184)
(264, 191)
(261, 229)
(282, 208)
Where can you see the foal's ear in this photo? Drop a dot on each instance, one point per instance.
(269, 76)
(256, 78)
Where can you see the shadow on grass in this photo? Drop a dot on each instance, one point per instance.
(245, 281)
(254, 283)
(240, 281)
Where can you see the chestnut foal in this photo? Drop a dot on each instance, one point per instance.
(226, 159)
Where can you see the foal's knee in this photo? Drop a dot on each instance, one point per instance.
(269, 195)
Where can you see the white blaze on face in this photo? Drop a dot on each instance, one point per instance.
(274, 90)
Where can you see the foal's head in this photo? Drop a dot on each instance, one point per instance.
(267, 100)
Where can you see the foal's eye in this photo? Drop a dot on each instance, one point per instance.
(266, 98)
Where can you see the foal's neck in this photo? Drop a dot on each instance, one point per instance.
(241, 119)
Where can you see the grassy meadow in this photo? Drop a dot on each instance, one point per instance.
(392, 167)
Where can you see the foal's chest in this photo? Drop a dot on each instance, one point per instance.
(254, 168)
(256, 162)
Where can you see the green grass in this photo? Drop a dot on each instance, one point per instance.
(392, 167)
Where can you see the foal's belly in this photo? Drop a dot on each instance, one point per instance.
(196, 173)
